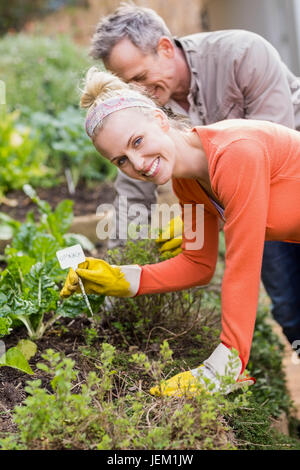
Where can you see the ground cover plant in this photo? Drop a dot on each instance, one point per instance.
(91, 387)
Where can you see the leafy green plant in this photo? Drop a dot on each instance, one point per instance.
(55, 415)
(42, 77)
(29, 284)
(22, 157)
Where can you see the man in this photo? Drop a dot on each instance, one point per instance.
(208, 77)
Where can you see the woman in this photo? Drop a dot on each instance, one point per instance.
(245, 172)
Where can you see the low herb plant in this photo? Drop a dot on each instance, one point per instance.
(114, 411)
(144, 320)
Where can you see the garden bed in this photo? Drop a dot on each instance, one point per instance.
(86, 199)
(119, 344)
(125, 346)
(107, 363)
(85, 203)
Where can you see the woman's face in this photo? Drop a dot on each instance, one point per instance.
(140, 145)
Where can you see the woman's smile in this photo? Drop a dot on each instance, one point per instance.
(153, 169)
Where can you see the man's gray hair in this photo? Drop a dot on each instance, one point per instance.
(142, 26)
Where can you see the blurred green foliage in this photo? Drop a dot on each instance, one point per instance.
(42, 77)
(68, 145)
(42, 73)
(22, 158)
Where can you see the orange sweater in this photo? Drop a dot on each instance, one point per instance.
(254, 169)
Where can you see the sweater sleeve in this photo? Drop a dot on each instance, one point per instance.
(241, 179)
(192, 267)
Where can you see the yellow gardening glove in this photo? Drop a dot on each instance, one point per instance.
(183, 384)
(186, 384)
(171, 237)
(101, 278)
(207, 377)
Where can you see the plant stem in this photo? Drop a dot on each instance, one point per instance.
(29, 328)
(45, 326)
(70, 182)
(40, 292)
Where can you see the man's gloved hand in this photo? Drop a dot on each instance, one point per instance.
(101, 278)
(171, 237)
(208, 377)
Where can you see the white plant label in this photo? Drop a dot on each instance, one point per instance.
(70, 258)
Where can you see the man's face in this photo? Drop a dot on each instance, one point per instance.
(157, 71)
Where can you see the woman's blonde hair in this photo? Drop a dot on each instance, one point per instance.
(99, 86)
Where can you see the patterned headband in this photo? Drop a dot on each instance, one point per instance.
(103, 109)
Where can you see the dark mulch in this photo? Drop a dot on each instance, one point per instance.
(86, 199)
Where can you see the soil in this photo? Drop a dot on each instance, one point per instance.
(86, 199)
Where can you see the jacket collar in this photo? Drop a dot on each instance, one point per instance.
(195, 96)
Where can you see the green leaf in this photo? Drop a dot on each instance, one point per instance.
(6, 232)
(23, 239)
(44, 247)
(8, 226)
(14, 358)
(18, 265)
(28, 348)
(43, 206)
(72, 306)
(75, 305)
(63, 215)
(5, 323)
(40, 289)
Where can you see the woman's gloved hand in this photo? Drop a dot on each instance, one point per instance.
(171, 237)
(208, 377)
(101, 278)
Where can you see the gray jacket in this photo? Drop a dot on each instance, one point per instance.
(234, 74)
